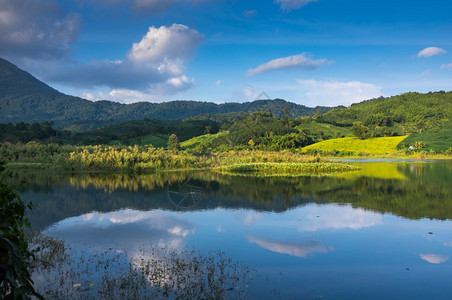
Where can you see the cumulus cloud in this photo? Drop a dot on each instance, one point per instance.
(434, 258)
(446, 66)
(331, 93)
(431, 51)
(294, 249)
(301, 61)
(152, 68)
(172, 43)
(288, 5)
(24, 32)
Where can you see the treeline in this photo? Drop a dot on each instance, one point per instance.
(26, 132)
(134, 132)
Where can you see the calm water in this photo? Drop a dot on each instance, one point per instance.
(384, 232)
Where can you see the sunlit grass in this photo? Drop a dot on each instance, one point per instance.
(286, 168)
(203, 140)
(353, 145)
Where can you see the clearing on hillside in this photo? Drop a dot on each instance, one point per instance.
(353, 145)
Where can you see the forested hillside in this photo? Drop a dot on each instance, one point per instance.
(23, 98)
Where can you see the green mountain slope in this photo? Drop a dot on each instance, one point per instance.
(24, 98)
(409, 112)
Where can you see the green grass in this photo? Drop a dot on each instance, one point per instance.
(286, 168)
(324, 131)
(437, 140)
(353, 145)
(206, 140)
(158, 141)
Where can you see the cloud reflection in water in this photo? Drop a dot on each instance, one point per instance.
(338, 217)
(123, 229)
(434, 258)
(294, 249)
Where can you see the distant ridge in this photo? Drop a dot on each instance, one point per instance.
(23, 98)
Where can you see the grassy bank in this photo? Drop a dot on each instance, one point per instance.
(148, 159)
(286, 168)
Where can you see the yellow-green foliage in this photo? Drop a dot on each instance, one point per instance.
(234, 157)
(353, 145)
(144, 159)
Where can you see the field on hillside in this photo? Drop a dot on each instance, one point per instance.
(438, 141)
(323, 131)
(206, 140)
(353, 145)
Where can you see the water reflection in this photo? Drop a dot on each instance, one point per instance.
(330, 231)
(425, 192)
(295, 249)
(124, 229)
(434, 258)
(338, 217)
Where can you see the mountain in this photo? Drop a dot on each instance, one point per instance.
(23, 98)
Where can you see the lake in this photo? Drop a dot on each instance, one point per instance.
(383, 232)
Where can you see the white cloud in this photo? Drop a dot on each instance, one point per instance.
(36, 29)
(332, 93)
(219, 82)
(295, 61)
(446, 66)
(166, 43)
(294, 249)
(434, 258)
(431, 51)
(156, 92)
(288, 5)
(153, 68)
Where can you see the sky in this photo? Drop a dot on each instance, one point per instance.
(310, 52)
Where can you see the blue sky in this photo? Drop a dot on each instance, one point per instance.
(311, 52)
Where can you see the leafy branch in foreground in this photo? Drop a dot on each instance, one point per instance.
(15, 257)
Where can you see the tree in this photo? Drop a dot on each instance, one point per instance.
(286, 110)
(173, 142)
(359, 130)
